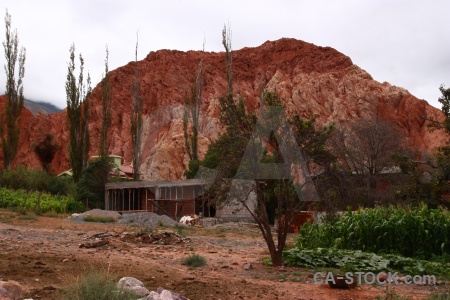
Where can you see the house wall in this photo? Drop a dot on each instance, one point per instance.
(122, 200)
(174, 201)
(179, 200)
(233, 208)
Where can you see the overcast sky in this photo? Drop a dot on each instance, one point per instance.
(406, 43)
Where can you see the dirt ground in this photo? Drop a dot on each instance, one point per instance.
(43, 254)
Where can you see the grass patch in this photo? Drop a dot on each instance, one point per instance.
(194, 261)
(52, 215)
(390, 294)
(220, 229)
(440, 296)
(95, 285)
(28, 217)
(99, 219)
(179, 230)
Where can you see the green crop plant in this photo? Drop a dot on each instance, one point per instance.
(358, 261)
(37, 201)
(409, 231)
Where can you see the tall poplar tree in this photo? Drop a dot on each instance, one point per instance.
(10, 118)
(136, 118)
(193, 101)
(77, 97)
(106, 110)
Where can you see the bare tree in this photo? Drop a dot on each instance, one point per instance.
(367, 147)
(136, 118)
(370, 144)
(10, 133)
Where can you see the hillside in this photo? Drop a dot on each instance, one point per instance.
(40, 107)
(312, 80)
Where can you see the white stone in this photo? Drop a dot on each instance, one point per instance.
(166, 295)
(128, 282)
(153, 296)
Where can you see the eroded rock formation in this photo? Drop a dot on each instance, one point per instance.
(311, 80)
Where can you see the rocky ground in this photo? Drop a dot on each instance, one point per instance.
(46, 254)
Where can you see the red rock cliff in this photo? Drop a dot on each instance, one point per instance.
(310, 79)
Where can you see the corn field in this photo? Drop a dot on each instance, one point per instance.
(38, 202)
(409, 231)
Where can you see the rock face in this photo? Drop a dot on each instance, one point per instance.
(311, 80)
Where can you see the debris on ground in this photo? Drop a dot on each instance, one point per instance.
(190, 220)
(94, 244)
(161, 238)
(110, 237)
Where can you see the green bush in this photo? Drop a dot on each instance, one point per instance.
(36, 180)
(95, 285)
(194, 261)
(91, 186)
(412, 232)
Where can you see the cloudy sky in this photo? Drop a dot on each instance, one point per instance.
(403, 42)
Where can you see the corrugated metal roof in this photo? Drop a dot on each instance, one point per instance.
(154, 183)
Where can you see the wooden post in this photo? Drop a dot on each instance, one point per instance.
(123, 198)
(129, 199)
(203, 207)
(146, 200)
(115, 200)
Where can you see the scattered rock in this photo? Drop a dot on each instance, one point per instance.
(134, 285)
(169, 295)
(153, 296)
(248, 266)
(10, 289)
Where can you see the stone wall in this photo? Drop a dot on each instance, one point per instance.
(233, 209)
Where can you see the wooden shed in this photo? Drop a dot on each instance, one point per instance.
(174, 198)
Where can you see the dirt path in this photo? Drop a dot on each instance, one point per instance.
(43, 255)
